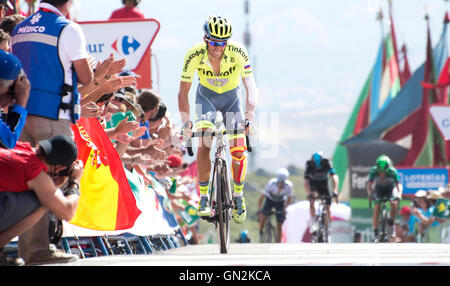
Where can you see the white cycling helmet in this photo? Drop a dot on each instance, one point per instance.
(282, 174)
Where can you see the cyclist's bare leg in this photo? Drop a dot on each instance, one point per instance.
(393, 211)
(239, 163)
(262, 221)
(204, 169)
(375, 216)
(279, 230)
(312, 210)
(203, 159)
(329, 215)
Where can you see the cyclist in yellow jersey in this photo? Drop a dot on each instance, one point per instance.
(220, 64)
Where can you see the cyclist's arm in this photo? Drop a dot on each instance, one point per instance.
(335, 179)
(306, 183)
(183, 101)
(369, 188)
(260, 201)
(288, 202)
(252, 96)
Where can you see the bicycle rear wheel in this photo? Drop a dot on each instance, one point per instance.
(268, 234)
(223, 199)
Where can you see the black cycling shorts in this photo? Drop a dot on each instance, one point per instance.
(279, 209)
(321, 187)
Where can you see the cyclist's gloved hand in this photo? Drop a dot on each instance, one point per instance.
(186, 130)
(248, 125)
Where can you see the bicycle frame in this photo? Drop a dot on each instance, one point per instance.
(322, 217)
(220, 195)
(383, 220)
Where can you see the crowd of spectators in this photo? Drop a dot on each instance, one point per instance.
(136, 120)
(429, 208)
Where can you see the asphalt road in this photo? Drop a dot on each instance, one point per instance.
(305, 254)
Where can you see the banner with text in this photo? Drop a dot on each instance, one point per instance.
(414, 179)
(130, 39)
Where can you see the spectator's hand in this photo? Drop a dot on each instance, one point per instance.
(76, 171)
(157, 142)
(162, 167)
(126, 126)
(164, 133)
(124, 138)
(117, 82)
(92, 62)
(90, 110)
(103, 67)
(22, 88)
(110, 108)
(139, 132)
(116, 67)
(155, 152)
(144, 160)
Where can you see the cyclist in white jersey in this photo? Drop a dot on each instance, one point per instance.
(278, 195)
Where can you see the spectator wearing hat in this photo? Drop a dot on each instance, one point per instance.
(419, 213)
(405, 225)
(14, 91)
(129, 10)
(30, 178)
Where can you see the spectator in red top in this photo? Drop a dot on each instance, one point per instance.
(30, 178)
(129, 10)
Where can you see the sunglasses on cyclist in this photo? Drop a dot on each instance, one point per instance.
(217, 44)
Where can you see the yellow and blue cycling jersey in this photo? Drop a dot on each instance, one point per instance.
(235, 64)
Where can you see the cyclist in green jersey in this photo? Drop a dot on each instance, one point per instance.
(384, 182)
(220, 65)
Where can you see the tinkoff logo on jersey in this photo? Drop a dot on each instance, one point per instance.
(126, 45)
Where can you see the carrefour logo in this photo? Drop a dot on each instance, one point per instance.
(126, 45)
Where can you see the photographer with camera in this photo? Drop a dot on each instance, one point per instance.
(30, 178)
(14, 93)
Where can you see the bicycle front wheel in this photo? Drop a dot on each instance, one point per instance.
(384, 225)
(325, 222)
(224, 205)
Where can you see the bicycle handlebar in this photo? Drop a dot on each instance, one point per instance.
(213, 133)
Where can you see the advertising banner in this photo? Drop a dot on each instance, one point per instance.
(130, 39)
(414, 179)
(362, 158)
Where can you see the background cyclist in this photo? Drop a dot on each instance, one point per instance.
(220, 64)
(318, 170)
(384, 182)
(277, 195)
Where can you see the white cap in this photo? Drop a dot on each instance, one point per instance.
(421, 194)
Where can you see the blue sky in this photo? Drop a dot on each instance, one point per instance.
(310, 58)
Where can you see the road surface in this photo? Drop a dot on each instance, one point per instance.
(304, 254)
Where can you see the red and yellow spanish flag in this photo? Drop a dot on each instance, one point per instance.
(107, 201)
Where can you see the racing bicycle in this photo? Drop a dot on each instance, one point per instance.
(269, 232)
(322, 233)
(383, 233)
(220, 195)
